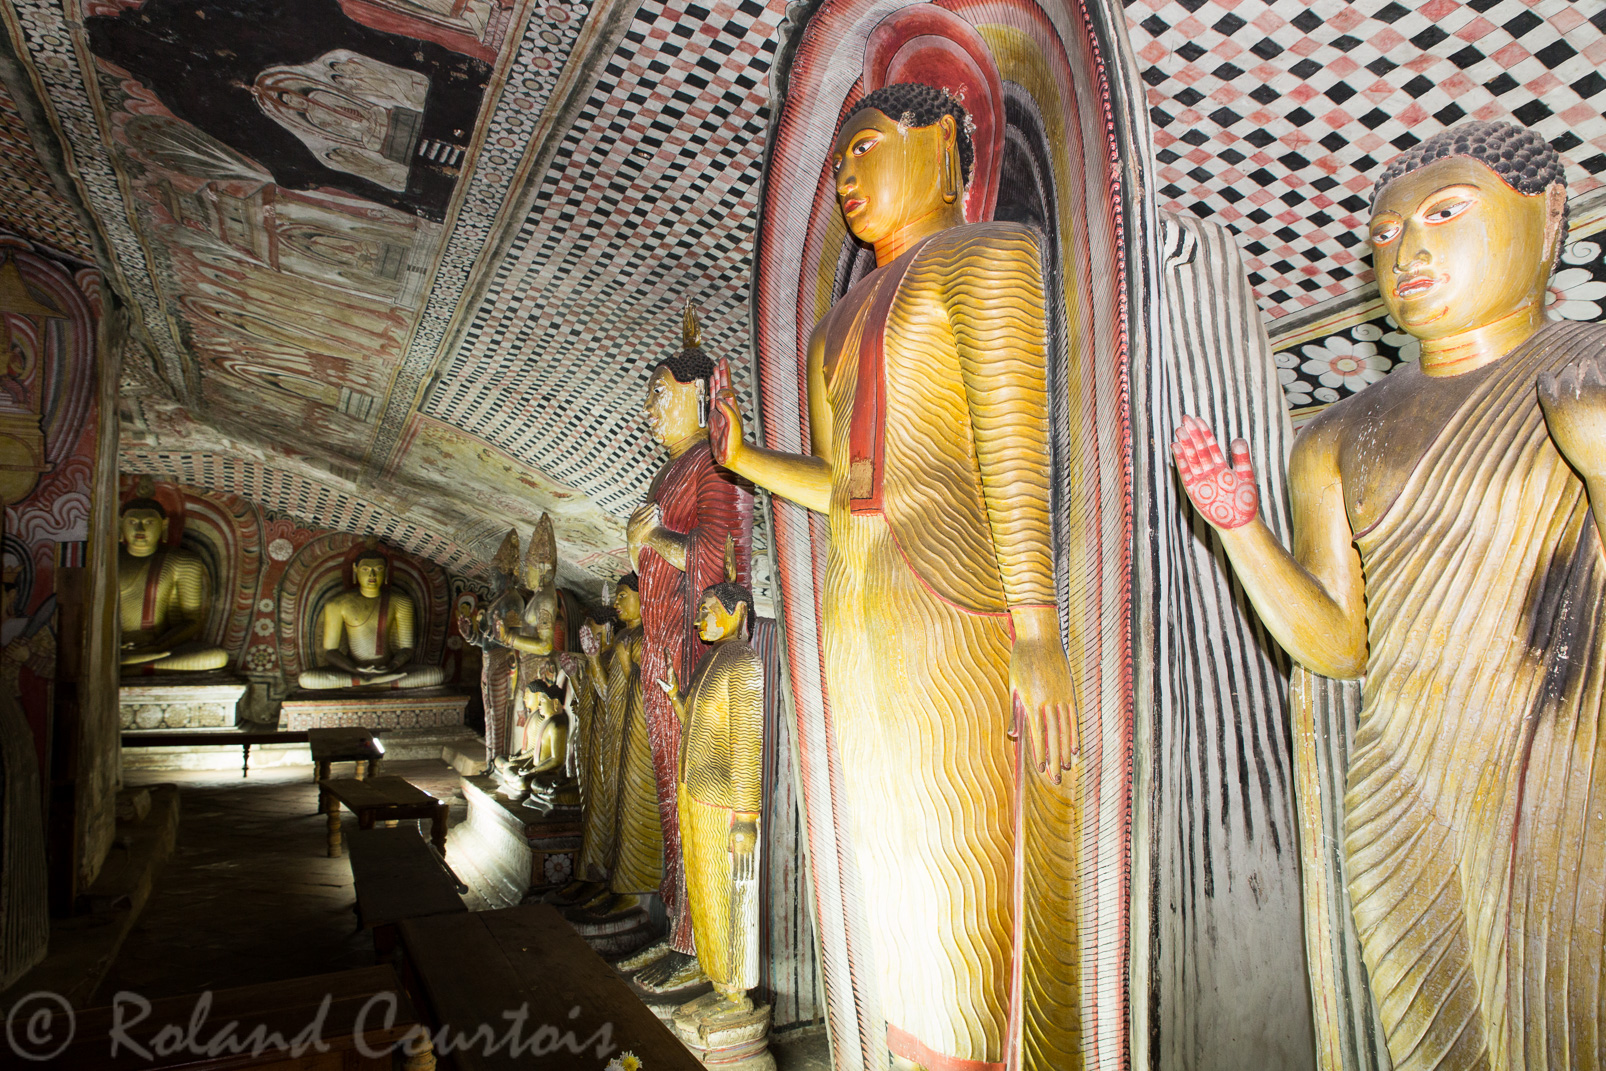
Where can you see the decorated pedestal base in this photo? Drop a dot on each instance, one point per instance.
(617, 935)
(737, 1043)
(425, 708)
(183, 702)
(509, 850)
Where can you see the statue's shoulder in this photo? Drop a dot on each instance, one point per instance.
(398, 597)
(997, 239)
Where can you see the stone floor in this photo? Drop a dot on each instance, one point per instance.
(250, 897)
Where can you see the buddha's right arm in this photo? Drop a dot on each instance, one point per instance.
(801, 478)
(1312, 600)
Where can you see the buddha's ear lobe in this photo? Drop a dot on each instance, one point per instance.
(1555, 222)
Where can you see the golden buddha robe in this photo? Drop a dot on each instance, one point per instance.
(1476, 799)
(638, 865)
(918, 645)
(367, 629)
(721, 747)
(599, 773)
(159, 591)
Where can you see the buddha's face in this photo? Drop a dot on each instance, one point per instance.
(672, 409)
(1455, 248)
(541, 706)
(143, 530)
(715, 623)
(627, 601)
(370, 573)
(887, 178)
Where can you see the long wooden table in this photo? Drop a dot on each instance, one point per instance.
(384, 799)
(352, 744)
(398, 876)
(475, 970)
(212, 738)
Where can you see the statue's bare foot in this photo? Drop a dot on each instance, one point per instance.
(603, 907)
(649, 955)
(675, 971)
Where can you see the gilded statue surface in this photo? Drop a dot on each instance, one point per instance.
(677, 541)
(638, 861)
(163, 597)
(930, 437)
(1447, 551)
(366, 637)
(720, 791)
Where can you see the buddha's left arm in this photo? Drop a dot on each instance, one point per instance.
(997, 310)
(188, 610)
(744, 694)
(402, 633)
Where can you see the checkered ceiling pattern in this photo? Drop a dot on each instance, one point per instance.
(307, 500)
(650, 202)
(1271, 116)
(1274, 117)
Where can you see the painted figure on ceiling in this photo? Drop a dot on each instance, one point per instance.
(164, 595)
(366, 637)
(1447, 550)
(677, 542)
(930, 431)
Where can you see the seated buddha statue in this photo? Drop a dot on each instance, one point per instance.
(930, 459)
(541, 773)
(1447, 551)
(163, 597)
(366, 636)
(720, 789)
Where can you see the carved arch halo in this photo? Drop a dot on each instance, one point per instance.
(1066, 155)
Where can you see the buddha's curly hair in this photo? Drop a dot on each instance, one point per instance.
(916, 104)
(631, 581)
(143, 503)
(1520, 157)
(688, 365)
(731, 595)
(605, 615)
(546, 688)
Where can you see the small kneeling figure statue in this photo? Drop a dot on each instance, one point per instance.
(367, 636)
(162, 597)
(720, 793)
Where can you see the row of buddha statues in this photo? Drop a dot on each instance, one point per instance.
(366, 635)
(1447, 551)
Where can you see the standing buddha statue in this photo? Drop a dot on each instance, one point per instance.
(163, 597)
(1448, 525)
(928, 413)
(499, 666)
(721, 794)
(677, 542)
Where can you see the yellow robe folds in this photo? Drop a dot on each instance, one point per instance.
(1476, 828)
(639, 839)
(720, 772)
(917, 652)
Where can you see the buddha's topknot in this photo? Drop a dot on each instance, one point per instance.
(917, 105)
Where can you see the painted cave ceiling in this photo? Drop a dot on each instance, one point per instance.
(401, 266)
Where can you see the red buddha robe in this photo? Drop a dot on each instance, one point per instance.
(705, 503)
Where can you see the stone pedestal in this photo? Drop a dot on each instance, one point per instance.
(619, 935)
(511, 849)
(423, 708)
(180, 702)
(736, 1044)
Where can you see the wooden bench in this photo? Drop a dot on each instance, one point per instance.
(472, 968)
(351, 744)
(285, 1012)
(212, 738)
(398, 876)
(384, 799)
